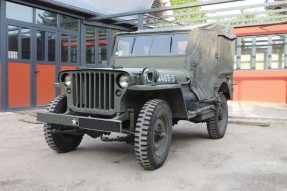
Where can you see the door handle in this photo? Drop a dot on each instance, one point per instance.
(37, 71)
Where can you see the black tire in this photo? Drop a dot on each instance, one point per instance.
(216, 126)
(61, 143)
(153, 134)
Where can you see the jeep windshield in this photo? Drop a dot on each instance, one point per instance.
(152, 45)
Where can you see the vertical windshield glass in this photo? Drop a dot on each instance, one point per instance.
(179, 43)
(161, 45)
(142, 46)
(154, 45)
(125, 45)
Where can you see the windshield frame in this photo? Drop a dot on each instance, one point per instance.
(131, 54)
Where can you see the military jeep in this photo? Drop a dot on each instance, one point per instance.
(158, 77)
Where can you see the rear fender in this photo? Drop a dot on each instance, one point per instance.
(225, 87)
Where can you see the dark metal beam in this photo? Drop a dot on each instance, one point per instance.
(98, 24)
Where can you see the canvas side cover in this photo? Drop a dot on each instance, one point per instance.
(210, 55)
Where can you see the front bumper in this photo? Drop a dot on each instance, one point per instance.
(89, 123)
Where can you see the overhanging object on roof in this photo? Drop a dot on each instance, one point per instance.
(104, 7)
(121, 6)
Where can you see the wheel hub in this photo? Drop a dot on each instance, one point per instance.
(221, 116)
(160, 134)
(220, 112)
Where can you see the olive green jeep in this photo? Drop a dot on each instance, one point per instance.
(158, 77)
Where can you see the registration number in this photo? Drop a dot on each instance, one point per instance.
(170, 78)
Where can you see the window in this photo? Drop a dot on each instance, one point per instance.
(26, 43)
(46, 18)
(103, 42)
(179, 43)
(69, 49)
(124, 47)
(64, 48)
(19, 12)
(277, 59)
(96, 45)
(12, 42)
(246, 52)
(51, 47)
(40, 45)
(155, 45)
(142, 45)
(267, 52)
(74, 49)
(161, 45)
(69, 23)
(90, 45)
(262, 52)
(46, 46)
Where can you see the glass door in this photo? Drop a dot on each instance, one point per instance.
(19, 62)
(45, 66)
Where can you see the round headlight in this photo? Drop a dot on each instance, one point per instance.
(124, 81)
(68, 80)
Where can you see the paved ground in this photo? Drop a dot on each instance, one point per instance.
(250, 157)
(257, 110)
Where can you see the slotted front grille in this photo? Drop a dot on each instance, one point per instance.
(93, 90)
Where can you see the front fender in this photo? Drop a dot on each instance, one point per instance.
(171, 93)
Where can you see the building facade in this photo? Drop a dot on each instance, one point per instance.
(261, 64)
(40, 39)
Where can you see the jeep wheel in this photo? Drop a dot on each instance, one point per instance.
(153, 134)
(57, 141)
(216, 126)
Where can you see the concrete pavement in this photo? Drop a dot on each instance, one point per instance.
(257, 110)
(249, 158)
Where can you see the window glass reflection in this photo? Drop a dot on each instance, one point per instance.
(12, 42)
(103, 46)
(179, 43)
(262, 52)
(19, 12)
(26, 43)
(90, 45)
(246, 52)
(51, 47)
(277, 61)
(161, 45)
(142, 45)
(103, 55)
(69, 23)
(124, 47)
(64, 48)
(46, 18)
(40, 45)
(74, 49)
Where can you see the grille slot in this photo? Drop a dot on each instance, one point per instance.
(93, 90)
